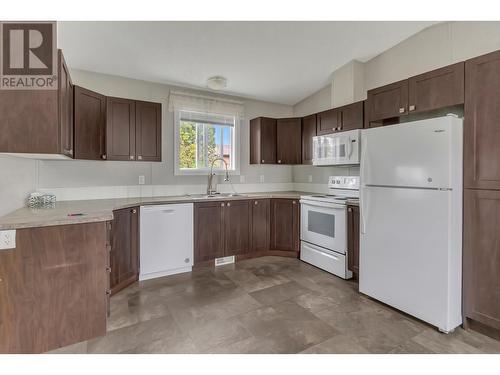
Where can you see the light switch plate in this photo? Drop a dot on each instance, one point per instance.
(142, 180)
(7, 239)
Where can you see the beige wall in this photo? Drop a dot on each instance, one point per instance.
(18, 180)
(432, 48)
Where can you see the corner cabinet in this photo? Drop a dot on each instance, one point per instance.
(289, 141)
(263, 140)
(124, 255)
(285, 218)
(90, 125)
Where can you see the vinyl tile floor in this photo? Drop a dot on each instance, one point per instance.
(265, 305)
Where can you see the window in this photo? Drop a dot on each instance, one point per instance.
(202, 138)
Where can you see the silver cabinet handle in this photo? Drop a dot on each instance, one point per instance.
(294, 202)
(349, 209)
(131, 157)
(402, 110)
(104, 157)
(108, 269)
(279, 161)
(229, 204)
(139, 157)
(263, 161)
(134, 211)
(222, 204)
(256, 203)
(412, 108)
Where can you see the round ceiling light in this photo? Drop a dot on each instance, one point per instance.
(217, 83)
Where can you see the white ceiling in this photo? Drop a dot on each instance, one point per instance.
(281, 62)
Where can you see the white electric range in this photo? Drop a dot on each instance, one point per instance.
(323, 226)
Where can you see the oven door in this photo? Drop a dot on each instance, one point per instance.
(324, 224)
(336, 149)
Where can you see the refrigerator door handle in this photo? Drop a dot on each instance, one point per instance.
(362, 211)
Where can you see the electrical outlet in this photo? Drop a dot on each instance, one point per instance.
(142, 180)
(261, 177)
(310, 178)
(242, 179)
(7, 239)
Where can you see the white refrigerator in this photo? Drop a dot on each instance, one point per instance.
(411, 218)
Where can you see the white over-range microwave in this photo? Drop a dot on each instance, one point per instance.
(337, 148)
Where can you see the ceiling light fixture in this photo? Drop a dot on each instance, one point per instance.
(217, 83)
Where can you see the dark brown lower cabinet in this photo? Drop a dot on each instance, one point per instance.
(208, 231)
(53, 288)
(285, 216)
(236, 227)
(124, 256)
(260, 224)
(481, 258)
(353, 239)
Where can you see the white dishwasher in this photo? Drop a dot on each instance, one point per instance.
(166, 240)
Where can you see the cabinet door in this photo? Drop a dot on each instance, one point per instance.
(53, 288)
(237, 227)
(353, 239)
(439, 88)
(124, 248)
(289, 141)
(263, 141)
(148, 131)
(285, 224)
(328, 121)
(308, 132)
(352, 116)
(208, 231)
(65, 91)
(90, 125)
(482, 256)
(387, 101)
(260, 224)
(120, 129)
(482, 122)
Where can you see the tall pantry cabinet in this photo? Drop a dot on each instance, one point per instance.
(481, 259)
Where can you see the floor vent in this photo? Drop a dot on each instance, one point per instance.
(225, 260)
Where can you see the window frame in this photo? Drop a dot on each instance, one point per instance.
(205, 171)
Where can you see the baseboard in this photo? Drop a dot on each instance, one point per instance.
(482, 328)
(154, 275)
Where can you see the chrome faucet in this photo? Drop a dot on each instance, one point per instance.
(210, 189)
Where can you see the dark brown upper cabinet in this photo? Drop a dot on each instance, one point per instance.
(285, 216)
(329, 121)
(482, 122)
(263, 140)
(260, 224)
(308, 132)
(120, 129)
(289, 141)
(90, 125)
(38, 121)
(481, 258)
(439, 88)
(124, 256)
(348, 117)
(66, 109)
(148, 131)
(386, 102)
(352, 116)
(236, 227)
